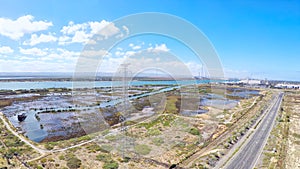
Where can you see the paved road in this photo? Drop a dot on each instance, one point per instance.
(248, 155)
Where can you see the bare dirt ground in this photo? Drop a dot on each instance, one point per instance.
(293, 143)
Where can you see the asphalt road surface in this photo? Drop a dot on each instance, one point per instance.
(247, 156)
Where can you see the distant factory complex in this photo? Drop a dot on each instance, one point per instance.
(266, 83)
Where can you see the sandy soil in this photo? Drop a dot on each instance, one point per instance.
(293, 148)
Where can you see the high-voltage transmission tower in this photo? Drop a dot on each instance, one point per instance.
(125, 106)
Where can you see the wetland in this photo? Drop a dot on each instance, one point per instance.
(54, 113)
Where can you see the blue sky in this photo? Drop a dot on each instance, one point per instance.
(256, 39)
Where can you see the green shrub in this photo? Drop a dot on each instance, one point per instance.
(157, 141)
(43, 160)
(111, 165)
(61, 157)
(94, 148)
(103, 157)
(142, 149)
(194, 131)
(126, 159)
(49, 147)
(154, 132)
(73, 162)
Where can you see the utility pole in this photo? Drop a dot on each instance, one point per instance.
(202, 72)
(125, 86)
(124, 113)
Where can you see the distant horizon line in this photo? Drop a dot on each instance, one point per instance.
(71, 74)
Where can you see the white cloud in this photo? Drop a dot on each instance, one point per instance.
(53, 60)
(134, 47)
(72, 28)
(91, 42)
(82, 33)
(162, 47)
(63, 40)
(61, 55)
(130, 53)
(74, 33)
(139, 63)
(97, 26)
(118, 53)
(196, 68)
(110, 64)
(109, 30)
(35, 39)
(15, 29)
(81, 37)
(67, 54)
(6, 50)
(39, 66)
(58, 54)
(158, 48)
(25, 58)
(96, 53)
(126, 30)
(33, 51)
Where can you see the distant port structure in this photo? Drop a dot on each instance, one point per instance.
(265, 83)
